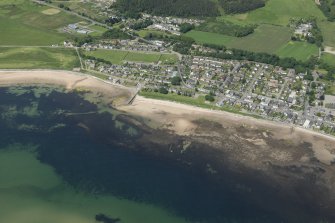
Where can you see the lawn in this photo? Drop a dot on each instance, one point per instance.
(279, 12)
(328, 59)
(120, 56)
(298, 50)
(143, 57)
(30, 58)
(266, 38)
(212, 38)
(97, 30)
(169, 58)
(24, 23)
(328, 32)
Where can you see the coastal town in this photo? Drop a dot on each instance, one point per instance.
(168, 111)
(252, 88)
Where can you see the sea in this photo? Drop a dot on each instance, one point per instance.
(66, 159)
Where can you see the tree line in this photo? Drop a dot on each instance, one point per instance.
(182, 8)
(241, 6)
(326, 7)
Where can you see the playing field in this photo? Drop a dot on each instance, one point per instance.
(298, 50)
(328, 32)
(266, 38)
(34, 57)
(328, 59)
(119, 56)
(25, 23)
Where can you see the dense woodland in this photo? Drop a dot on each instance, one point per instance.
(240, 6)
(328, 9)
(181, 8)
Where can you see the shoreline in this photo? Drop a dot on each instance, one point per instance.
(177, 117)
(182, 120)
(68, 79)
(235, 116)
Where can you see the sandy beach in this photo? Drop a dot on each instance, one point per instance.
(179, 118)
(67, 79)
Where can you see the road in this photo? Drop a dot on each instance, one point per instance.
(330, 50)
(248, 90)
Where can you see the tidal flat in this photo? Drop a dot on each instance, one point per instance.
(68, 156)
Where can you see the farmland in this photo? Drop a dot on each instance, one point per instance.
(266, 38)
(35, 57)
(272, 34)
(279, 12)
(25, 23)
(119, 56)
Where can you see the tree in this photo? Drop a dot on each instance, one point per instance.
(209, 97)
(186, 27)
(175, 80)
(163, 90)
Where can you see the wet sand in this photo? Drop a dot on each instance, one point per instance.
(67, 79)
(181, 119)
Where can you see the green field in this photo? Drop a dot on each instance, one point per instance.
(279, 12)
(266, 38)
(328, 59)
(97, 30)
(328, 32)
(298, 50)
(31, 57)
(119, 56)
(24, 23)
(144, 32)
(272, 34)
(211, 38)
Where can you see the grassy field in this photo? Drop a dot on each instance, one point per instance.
(144, 32)
(207, 37)
(298, 50)
(266, 38)
(279, 12)
(26, 23)
(97, 30)
(30, 58)
(328, 32)
(272, 34)
(119, 56)
(328, 59)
